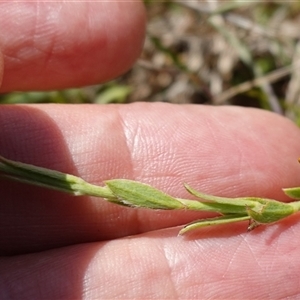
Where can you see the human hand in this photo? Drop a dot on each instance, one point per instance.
(67, 247)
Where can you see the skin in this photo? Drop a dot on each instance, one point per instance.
(55, 246)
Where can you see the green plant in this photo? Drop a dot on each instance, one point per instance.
(135, 194)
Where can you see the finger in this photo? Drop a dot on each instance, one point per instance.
(216, 266)
(225, 151)
(55, 45)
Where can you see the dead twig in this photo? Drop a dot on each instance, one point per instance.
(246, 86)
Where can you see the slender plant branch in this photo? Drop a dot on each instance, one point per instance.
(136, 194)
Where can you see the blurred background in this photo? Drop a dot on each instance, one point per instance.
(244, 53)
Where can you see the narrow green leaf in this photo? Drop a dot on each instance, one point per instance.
(293, 193)
(241, 202)
(136, 194)
(213, 221)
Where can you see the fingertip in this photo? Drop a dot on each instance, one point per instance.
(56, 45)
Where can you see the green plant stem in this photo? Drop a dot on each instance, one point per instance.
(51, 179)
(135, 194)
